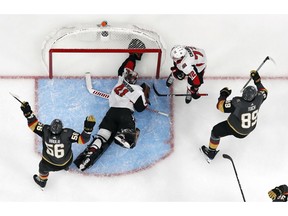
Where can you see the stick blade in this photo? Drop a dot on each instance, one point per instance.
(271, 59)
(16, 97)
(226, 156)
(13, 95)
(155, 90)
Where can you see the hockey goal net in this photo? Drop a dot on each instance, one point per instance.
(101, 49)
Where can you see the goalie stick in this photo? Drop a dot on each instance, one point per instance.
(229, 158)
(260, 66)
(106, 96)
(171, 95)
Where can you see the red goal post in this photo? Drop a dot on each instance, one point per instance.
(98, 39)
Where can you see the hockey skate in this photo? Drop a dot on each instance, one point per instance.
(120, 139)
(208, 153)
(40, 182)
(169, 80)
(195, 96)
(188, 97)
(193, 93)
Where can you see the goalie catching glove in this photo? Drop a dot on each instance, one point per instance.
(26, 109)
(89, 123)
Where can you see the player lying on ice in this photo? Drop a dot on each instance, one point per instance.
(118, 124)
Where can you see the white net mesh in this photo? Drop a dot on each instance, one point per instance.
(98, 37)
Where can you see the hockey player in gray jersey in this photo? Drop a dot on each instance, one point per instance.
(243, 118)
(56, 142)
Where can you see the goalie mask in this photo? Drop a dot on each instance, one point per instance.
(56, 126)
(130, 76)
(178, 52)
(249, 93)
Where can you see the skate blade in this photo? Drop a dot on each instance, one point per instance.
(42, 189)
(205, 156)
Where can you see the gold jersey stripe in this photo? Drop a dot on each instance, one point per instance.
(33, 125)
(80, 140)
(57, 164)
(235, 129)
(220, 105)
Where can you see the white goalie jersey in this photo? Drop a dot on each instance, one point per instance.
(125, 95)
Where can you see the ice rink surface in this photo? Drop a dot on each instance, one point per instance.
(234, 45)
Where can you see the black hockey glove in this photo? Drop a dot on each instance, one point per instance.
(174, 69)
(25, 107)
(180, 75)
(255, 76)
(274, 193)
(89, 123)
(225, 92)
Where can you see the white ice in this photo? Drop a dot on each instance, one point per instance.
(234, 45)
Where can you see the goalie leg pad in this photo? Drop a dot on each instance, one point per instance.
(91, 154)
(97, 154)
(89, 159)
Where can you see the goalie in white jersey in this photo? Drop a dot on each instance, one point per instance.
(126, 94)
(188, 62)
(118, 123)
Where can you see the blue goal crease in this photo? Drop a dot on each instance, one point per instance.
(69, 100)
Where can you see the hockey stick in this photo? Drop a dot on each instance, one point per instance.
(260, 66)
(16, 97)
(171, 95)
(106, 96)
(229, 158)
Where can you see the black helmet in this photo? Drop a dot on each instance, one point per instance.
(249, 93)
(56, 126)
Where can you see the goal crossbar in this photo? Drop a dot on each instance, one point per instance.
(81, 50)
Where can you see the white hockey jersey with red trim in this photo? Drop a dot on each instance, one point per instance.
(124, 95)
(194, 57)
